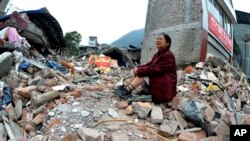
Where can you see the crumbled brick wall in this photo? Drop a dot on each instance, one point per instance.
(182, 20)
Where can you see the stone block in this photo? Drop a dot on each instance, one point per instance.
(142, 109)
(156, 115)
(5, 63)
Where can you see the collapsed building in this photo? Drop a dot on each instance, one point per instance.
(33, 33)
(38, 27)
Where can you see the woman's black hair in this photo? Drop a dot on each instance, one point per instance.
(167, 38)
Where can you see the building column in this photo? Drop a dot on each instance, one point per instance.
(204, 38)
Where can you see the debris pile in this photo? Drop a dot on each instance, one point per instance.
(58, 98)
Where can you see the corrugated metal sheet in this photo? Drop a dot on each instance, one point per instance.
(242, 17)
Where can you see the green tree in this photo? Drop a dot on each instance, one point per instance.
(237, 54)
(72, 41)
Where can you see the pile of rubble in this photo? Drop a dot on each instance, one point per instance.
(71, 99)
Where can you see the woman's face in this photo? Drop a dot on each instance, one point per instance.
(161, 42)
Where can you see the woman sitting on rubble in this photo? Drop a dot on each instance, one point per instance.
(160, 71)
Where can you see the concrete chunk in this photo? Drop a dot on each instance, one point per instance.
(5, 63)
(18, 108)
(181, 121)
(113, 113)
(169, 126)
(142, 109)
(246, 109)
(89, 134)
(156, 115)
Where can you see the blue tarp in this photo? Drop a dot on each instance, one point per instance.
(56, 66)
(24, 66)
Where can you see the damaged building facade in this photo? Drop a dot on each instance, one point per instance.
(242, 39)
(197, 28)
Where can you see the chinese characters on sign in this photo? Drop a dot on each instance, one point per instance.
(219, 32)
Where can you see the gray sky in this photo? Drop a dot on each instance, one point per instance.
(106, 19)
(242, 5)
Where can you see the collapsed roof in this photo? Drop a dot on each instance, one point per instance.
(41, 29)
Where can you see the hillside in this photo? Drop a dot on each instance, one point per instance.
(134, 38)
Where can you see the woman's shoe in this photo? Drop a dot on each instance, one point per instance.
(122, 92)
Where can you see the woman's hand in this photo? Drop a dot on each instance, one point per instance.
(135, 71)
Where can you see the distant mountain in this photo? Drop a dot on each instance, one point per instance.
(134, 38)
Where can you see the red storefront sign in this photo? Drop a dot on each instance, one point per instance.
(219, 32)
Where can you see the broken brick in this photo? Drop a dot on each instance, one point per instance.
(76, 93)
(209, 113)
(26, 91)
(129, 110)
(29, 128)
(175, 103)
(122, 104)
(187, 136)
(70, 137)
(39, 119)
